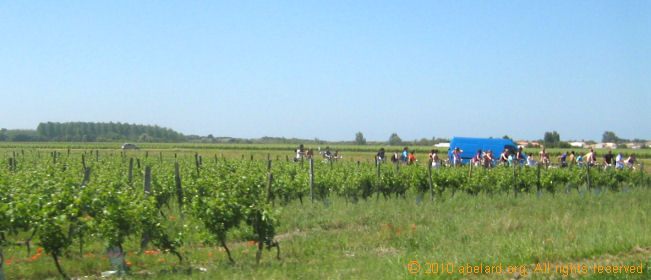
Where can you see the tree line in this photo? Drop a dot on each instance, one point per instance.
(93, 132)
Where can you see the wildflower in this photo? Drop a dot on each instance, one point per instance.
(388, 226)
(172, 217)
(413, 226)
(210, 254)
(160, 260)
(128, 263)
(39, 250)
(398, 230)
(8, 262)
(252, 242)
(548, 240)
(130, 253)
(103, 258)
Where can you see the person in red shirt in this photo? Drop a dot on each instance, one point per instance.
(412, 158)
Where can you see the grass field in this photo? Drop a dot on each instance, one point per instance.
(377, 239)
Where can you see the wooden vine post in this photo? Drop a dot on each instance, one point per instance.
(312, 180)
(196, 162)
(469, 172)
(431, 184)
(261, 241)
(269, 182)
(130, 170)
(587, 168)
(377, 196)
(2, 265)
(377, 163)
(86, 176)
(538, 185)
(147, 190)
(179, 189)
(515, 181)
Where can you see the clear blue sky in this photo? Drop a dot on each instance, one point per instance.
(328, 69)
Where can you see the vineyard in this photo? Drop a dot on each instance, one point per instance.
(118, 206)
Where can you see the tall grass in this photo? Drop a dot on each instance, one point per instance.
(376, 239)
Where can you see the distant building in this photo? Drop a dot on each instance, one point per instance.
(442, 145)
(605, 146)
(577, 144)
(527, 143)
(633, 145)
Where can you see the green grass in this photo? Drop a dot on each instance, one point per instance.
(376, 239)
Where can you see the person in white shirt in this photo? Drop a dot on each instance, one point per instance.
(531, 161)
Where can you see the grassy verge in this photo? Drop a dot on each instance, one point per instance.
(377, 239)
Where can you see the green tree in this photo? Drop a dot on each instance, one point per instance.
(395, 140)
(144, 138)
(552, 138)
(610, 136)
(359, 139)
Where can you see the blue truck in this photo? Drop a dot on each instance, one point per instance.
(469, 147)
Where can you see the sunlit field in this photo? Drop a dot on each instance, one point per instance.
(352, 220)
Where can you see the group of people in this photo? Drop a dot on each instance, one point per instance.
(405, 157)
(566, 159)
(301, 153)
(487, 159)
(590, 159)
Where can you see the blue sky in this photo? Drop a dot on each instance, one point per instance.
(328, 69)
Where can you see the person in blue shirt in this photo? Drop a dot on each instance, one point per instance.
(619, 161)
(563, 159)
(456, 156)
(405, 155)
